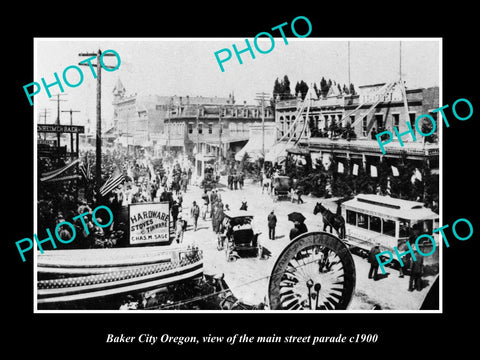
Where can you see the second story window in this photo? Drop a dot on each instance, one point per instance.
(200, 130)
(396, 120)
(412, 121)
(210, 128)
(364, 126)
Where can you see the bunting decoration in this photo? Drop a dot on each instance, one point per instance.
(395, 171)
(355, 170)
(55, 173)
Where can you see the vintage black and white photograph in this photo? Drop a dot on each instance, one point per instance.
(209, 175)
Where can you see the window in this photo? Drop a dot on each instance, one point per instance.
(362, 221)
(404, 228)
(375, 224)
(396, 120)
(388, 227)
(351, 217)
(352, 119)
(364, 126)
(190, 128)
(379, 121)
(412, 121)
(426, 226)
(200, 130)
(210, 128)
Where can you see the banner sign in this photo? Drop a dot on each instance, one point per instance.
(45, 128)
(47, 142)
(149, 223)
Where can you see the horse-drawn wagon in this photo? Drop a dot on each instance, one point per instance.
(240, 235)
(281, 187)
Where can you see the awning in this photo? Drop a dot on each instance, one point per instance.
(278, 152)
(253, 154)
(298, 151)
(253, 148)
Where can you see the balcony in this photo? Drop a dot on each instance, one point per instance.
(371, 147)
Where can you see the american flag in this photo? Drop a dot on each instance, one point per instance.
(113, 181)
(84, 168)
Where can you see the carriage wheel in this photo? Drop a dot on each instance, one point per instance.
(314, 272)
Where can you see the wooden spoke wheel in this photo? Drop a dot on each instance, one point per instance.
(314, 272)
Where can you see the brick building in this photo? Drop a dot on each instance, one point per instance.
(382, 110)
(207, 132)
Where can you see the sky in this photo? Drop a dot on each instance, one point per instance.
(177, 66)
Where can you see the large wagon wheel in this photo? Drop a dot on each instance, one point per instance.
(314, 272)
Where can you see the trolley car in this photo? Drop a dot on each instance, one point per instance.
(386, 221)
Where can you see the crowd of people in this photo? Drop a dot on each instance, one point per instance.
(144, 181)
(148, 180)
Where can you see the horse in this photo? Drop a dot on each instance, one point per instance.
(335, 221)
(267, 183)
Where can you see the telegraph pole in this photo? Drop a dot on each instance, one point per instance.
(220, 130)
(98, 163)
(71, 123)
(57, 122)
(261, 97)
(349, 81)
(44, 115)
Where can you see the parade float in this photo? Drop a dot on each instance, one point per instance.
(101, 277)
(66, 277)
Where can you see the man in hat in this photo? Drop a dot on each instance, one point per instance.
(179, 229)
(195, 212)
(175, 211)
(372, 259)
(416, 271)
(272, 223)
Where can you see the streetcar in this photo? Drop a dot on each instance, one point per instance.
(386, 221)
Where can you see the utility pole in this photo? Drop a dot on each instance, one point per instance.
(170, 104)
(44, 115)
(71, 123)
(349, 81)
(400, 61)
(98, 163)
(261, 97)
(220, 130)
(57, 122)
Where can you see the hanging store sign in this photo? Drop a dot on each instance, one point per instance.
(149, 223)
(44, 128)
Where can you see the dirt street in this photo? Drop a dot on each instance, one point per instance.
(248, 277)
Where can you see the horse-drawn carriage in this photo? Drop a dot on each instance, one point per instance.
(281, 187)
(210, 180)
(240, 237)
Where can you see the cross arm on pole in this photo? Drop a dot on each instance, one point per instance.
(95, 65)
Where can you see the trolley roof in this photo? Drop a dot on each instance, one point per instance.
(388, 207)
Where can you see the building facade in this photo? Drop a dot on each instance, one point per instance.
(206, 133)
(345, 125)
